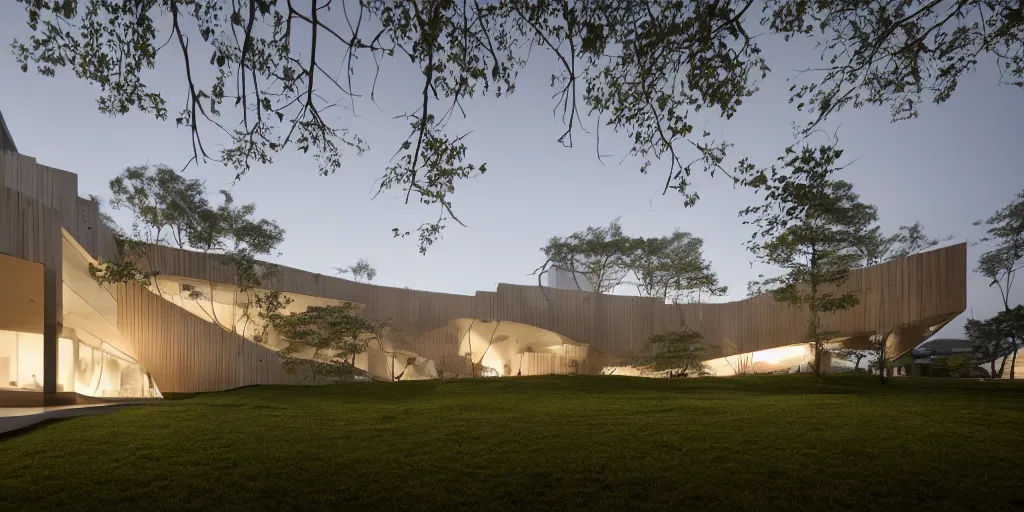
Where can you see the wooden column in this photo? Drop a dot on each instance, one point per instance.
(50, 331)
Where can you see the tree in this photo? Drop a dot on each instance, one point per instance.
(883, 362)
(1005, 232)
(674, 350)
(271, 84)
(335, 334)
(600, 254)
(910, 240)
(848, 354)
(105, 217)
(805, 226)
(239, 239)
(673, 266)
(876, 248)
(360, 270)
(159, 199)
(959, 366)
(164, 203)
(991, 339)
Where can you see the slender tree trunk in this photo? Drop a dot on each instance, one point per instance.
(815, 319)
(1013, 362)
(992, 365)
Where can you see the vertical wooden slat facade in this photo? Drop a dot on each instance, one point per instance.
(619, 325)
(185, 353)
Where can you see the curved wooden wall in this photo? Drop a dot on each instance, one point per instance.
(905, 296)
(185, 353)
(922, 290)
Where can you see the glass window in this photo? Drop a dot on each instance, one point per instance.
(30, 361)
(8, 359)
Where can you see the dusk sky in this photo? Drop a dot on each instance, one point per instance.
(955, 164)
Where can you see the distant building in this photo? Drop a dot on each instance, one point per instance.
(929, 358)
(6, 141)
(563, 279)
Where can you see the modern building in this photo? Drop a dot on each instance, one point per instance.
(563, 279)
(63, 337)
(929, 358)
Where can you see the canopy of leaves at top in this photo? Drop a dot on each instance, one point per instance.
(601, 254)
(805, 227)
(163, 201)
(160, 200)
(265, 75)
(673, 266)
(668, 267)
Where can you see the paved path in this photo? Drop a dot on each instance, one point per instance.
(17, 418)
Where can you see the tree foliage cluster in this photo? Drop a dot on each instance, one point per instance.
(1001, 335)
(266, 75)
(168, 208)
(361, 270)
(669, 267)
(815, 228)
(680, 350)
(805, 226)
(997, 337)
(333, 335)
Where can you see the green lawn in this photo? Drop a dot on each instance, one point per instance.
(613, 443)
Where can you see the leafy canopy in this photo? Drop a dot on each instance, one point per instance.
(261, 76)
(994, 338)
(668, 267)
(600, 254)
(163, 202)
(875, 248)
(673, 266)
(806, 227)
(1005, 235)
(674, 350)
(360, 270)
(336, 334)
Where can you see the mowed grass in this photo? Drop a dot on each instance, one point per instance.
(556, 443)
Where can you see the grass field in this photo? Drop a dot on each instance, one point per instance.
(610, 443)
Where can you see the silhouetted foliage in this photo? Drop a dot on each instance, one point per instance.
(264, 75)
(600, 254)
(669, 267)
(674, 350)
(995, 338)
(805, 227)
(673, 267)
(1000, 264)
(335, 334)
(360, 270)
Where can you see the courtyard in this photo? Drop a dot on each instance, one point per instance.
(539, 443)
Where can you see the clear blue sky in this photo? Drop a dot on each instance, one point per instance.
(955, 164)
